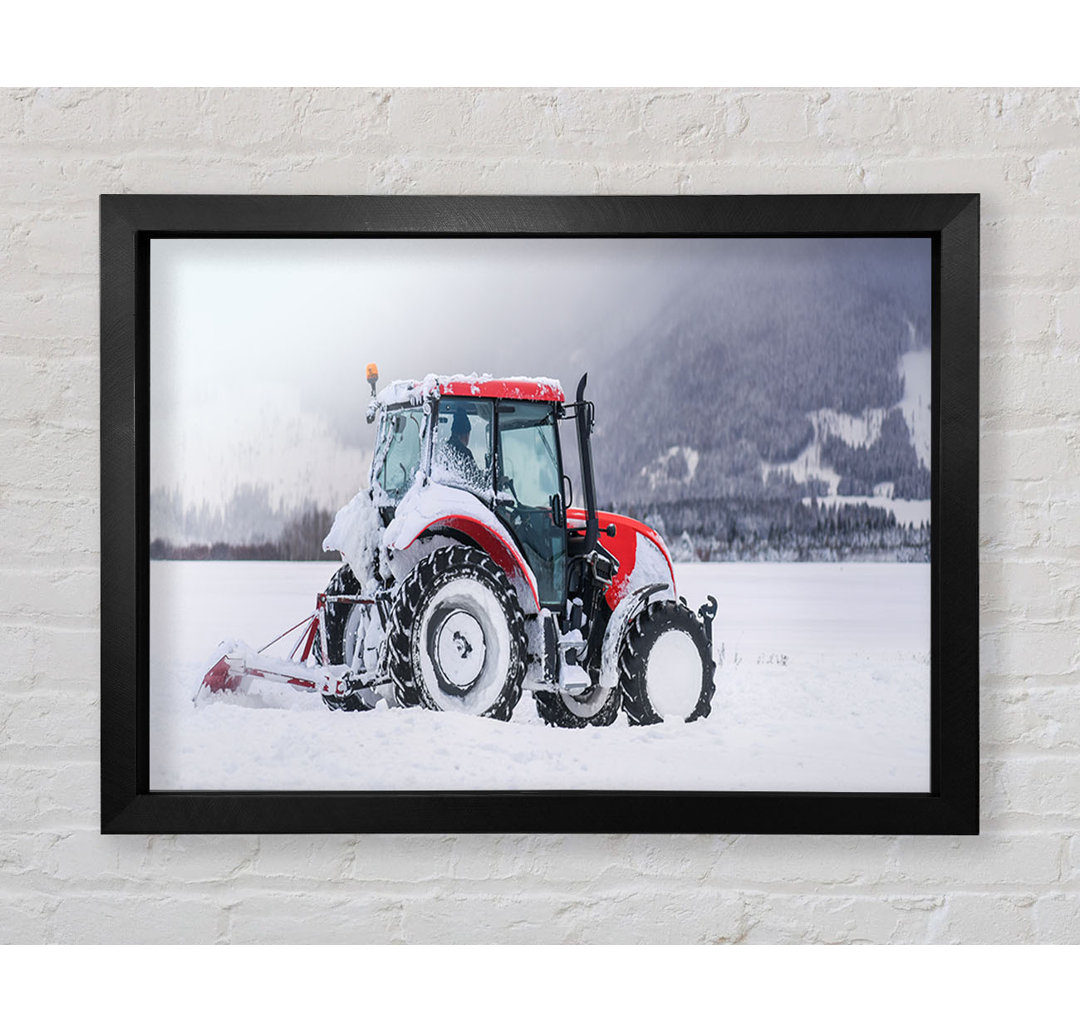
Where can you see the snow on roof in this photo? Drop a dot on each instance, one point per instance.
(476, 385)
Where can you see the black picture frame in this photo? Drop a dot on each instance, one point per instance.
(130, 222)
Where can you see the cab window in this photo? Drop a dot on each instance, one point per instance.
(461, 457)
(402, 431)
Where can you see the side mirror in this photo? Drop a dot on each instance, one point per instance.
(558, 511)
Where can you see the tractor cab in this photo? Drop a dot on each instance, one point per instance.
(498, 441)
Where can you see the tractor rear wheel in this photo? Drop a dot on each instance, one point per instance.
(456, 636)
(665, 667)
(597, 706)
(336, 618)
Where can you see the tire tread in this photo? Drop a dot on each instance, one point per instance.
(657, 617)
(427, 576)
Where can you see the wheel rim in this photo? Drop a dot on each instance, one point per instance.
(459, 651)
(673, 675)
(464, 647)
(352, 628)
(589, 703)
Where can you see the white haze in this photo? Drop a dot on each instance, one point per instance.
(258, 347)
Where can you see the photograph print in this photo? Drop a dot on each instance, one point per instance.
(577, 513)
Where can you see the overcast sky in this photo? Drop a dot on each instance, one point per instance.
(258, 347)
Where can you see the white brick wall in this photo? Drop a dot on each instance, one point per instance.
(61, 881)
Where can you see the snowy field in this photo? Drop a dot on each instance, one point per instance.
(823, 684)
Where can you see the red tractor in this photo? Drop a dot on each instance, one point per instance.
(469, 576)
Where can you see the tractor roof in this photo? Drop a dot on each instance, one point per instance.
(530, 389)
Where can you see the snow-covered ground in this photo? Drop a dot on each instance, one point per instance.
(824, 685)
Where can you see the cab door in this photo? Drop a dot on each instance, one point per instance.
(528, 496)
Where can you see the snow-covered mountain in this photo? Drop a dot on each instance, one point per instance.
(774, 379)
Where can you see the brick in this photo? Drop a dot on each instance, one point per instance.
(150, 172)
(1000, 177)
(25, 917)
(693, 125)
(860, 117)
(1011, 318)
(798, 860)
(973, 918)
(343, 119)
(29, 720)
(312, 918)
(61, 245)
(1030, 651)
(108, 917)
(1042, 454)
(1037, 786)
(12, 112)
(1056, 917)
(762, 174)
(530, 118)
(1036, 383)
(1045, 590)
(49, 307)
(1044, 118)
(1036, 717)
(72, 534)
(51, 649)
(824, 918)
(1035, 250)
(55, 799)
(543, 177)
(57, 347)
(428, 120)
(989, 860)
(777, 116)
(38, 185)
(519, 917)
(185, 858)
(1067, 316)
(33, 391)
(49, 463)
(1054, 176)
(53, 117)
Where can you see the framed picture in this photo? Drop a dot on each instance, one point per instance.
(548, 514)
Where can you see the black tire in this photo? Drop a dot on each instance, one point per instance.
(350, 704)
(654, 625)
(336, 617)
(456, 636)
(598, 708)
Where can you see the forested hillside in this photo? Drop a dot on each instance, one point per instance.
(725, 382)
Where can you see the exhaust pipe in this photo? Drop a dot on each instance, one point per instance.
(584, 416)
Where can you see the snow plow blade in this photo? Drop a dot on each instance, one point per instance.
(238, 665)
(239, 670)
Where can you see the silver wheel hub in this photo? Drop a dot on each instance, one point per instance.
(460, 649)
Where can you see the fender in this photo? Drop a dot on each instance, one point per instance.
(619, 621)
(435, 507)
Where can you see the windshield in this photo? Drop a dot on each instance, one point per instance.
(400, 438)
(461, 457)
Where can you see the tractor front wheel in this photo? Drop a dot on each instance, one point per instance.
(665, 667)
(596, 706)
(456, 636)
